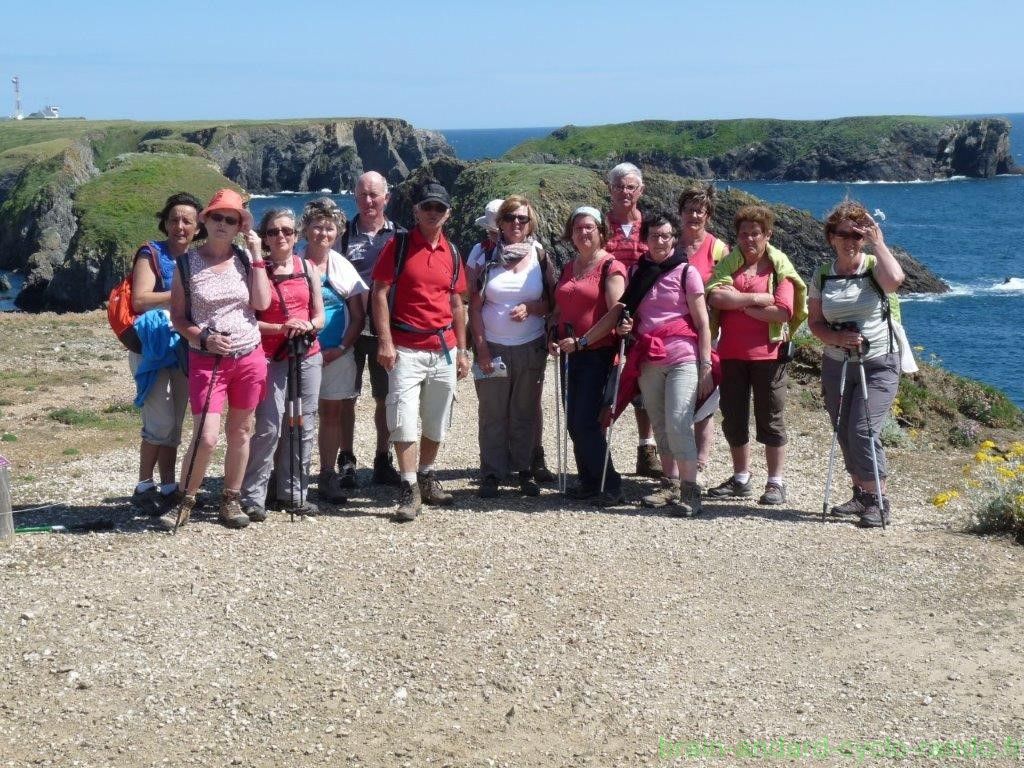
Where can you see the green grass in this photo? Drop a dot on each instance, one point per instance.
(70, 452)
(84, 418)
(117, 209)
(7, 437)
(710, 138)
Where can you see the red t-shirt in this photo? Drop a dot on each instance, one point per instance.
(704, 259)
(745, 337)
(296, 297)
(626, 248)
(582, 302)
(423, 294)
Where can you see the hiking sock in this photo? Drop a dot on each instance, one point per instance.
(426, 468)
(145, 485)
(648, 441)
(777, 479)
(409, 477)
(741, 477)
(166, 489)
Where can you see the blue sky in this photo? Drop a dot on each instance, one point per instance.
(484, 64)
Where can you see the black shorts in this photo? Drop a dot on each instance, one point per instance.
(366, 350)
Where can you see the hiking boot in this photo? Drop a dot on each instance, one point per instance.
(872, 516)
(305, 508)
(328, 486)
(409, 502)
(581, 492)
(384, 472)
(179, 513)
(731, 487)
(687, 503)
(528, 483)
(609, 498)
(773, 494)
(147, 502)
(667, 493)
(231, 514)
(431, 491)
(647, 462)
(855, 506)
(488, 487)
(540, 470)
(346, 471)
(255, 513)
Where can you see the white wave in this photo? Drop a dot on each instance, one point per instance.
(326, 191)
(255, 196)
(1010, 285)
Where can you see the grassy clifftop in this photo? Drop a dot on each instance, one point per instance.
(709, 138)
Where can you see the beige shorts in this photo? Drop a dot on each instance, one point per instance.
(339, 378)
(421, 388)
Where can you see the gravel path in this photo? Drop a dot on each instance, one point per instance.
(511, 633)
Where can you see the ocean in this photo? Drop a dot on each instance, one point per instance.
(966, 230)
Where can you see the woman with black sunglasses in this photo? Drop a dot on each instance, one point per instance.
(288, 327)
(508, 307)
(849, 311)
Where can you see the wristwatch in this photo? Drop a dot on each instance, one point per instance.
(582, 342)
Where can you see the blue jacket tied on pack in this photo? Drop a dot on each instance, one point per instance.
(159, 342)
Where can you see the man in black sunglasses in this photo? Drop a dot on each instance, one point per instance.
(418, 284)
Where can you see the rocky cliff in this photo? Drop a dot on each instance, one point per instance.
(847, 149)
(69, 266)
(556, 190)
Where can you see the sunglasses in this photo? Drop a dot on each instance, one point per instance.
(511, 218)
(857, 236)
(220, 217)
(433, 207)
(275, 231)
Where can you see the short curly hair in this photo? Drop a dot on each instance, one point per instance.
(758, 214)
(847, 210)
(323, 208)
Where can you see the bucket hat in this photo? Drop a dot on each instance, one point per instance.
(490, 218)
(228, 200)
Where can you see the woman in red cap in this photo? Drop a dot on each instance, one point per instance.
(216, 292)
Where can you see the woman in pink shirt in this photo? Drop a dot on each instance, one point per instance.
(758, 295)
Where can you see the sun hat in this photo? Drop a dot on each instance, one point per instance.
(228, 200)
(490, 218)
(434, 193)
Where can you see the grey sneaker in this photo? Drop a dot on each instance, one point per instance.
(667, 493)
(773, 494)
(647, 462)
(872, 516)
(855, 506)
(231, 514)
(431, 491)
(178, 514)
(409, 502)
(329, 487)
(732, 487)
(687, 503)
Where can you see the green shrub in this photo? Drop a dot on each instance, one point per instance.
(7, 437)
(893, 435)
(74, 417)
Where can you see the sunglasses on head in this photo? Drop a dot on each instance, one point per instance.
(275, 231)
(220, 217)
(433, 207)
(510, 218)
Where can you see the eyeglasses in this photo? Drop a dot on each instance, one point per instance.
(856, 236)
(626, 187)
(275, 231)
(433, 207)
(220, 217)
(660, 235)
(511, 218)
(585, 229)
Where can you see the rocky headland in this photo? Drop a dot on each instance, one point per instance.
(889, 148)
(77, 198)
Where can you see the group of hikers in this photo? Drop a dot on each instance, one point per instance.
(651, 311)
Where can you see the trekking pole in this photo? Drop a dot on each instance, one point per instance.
(290, 407)
(553, 336)
(195, 438)
(871, 442)
(835, 437)
(615, 397)
(570, 333)
(300, 353)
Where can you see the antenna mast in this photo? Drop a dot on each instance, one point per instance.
(17, 97)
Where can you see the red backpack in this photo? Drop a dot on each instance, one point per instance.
(120, 313)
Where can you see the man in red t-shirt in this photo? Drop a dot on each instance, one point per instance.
(626, 185)
(421, 325)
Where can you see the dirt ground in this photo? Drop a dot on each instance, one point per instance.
(504, 632)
